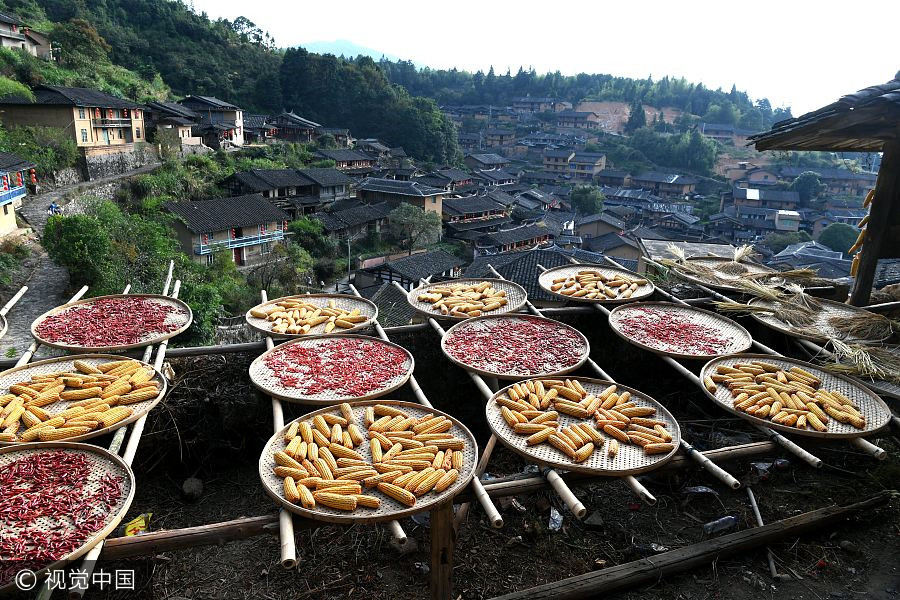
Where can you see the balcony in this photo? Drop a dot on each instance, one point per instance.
(112, 122)
(14, 35)
(11, 194)
(247, 240)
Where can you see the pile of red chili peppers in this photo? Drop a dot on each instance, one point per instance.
(45, 510)
(670, 332)
(110, 322)
(344, 366)
(515, 345)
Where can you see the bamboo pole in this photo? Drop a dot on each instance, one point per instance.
(285, 519)
(12, 301)
(759, 522)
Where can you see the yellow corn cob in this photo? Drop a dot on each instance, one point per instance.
(312, 451)
(140, 395)
(338, 501)
(584, 452)
(334, 420)
(339, 487)
(448, 479)
(320, 438)
(367, 501)
(85, 367)
(346, 411)
(817, 424)
(291, 494)
(323, 468)
(297, 474)
(355, 434)
(613, 448)
(283, 459)
(319, 423)
(13, 417)
(342, 452)
(458, 460)
(291, 432)
(326, 455)
(388, 477)
(141, 376)
(397, 493)
(48, 434)
(384, 409)
(306, 497)
(424, 486)
(305, 430)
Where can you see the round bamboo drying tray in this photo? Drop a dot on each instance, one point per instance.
(545, 280)
(366, 308)
(390, 509)
(829, 309)
(183, 317)
(739, 339)
(630, 459)
(873, 408)
(65, 363)
(477, 323)
(515, 296)
(263, 377)
(102, 462)
(722, 281)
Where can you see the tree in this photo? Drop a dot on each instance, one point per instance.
(838, 236)
(636, 117)
(310, 235)
(80, 44)
(327, 141)
(413, 227)
(79, 243)
(776, 242)
(808, 185)
(586, 199)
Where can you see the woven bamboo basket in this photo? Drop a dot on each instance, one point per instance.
(515, 296)
(366, 308)
(545, 280)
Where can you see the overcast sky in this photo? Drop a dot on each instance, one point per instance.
(796, 53)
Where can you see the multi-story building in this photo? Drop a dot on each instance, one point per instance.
(347, 160)
(573, 119)
(292, 127)
(667, 185)
(485, 160)
(172, 116)
(296, 191)
(557, 160)
(765, 198)
(99, 123)
(14, 33)
(15, 174)
(221, 123)
(243, 229)
(584, 166)
(372, 190)
(497, 138)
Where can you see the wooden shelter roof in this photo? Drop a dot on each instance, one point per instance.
(860, 122)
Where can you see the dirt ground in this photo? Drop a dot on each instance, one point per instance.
(213, 426)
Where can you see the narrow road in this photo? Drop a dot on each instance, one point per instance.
(34, 208)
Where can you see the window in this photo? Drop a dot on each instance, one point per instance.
(264, 248)
(80, 113)
(84, 137)
(6, 209)
(137, 133)
(210, 258)
(120, 134)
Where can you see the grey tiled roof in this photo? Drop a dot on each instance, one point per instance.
(71, 96)
(254, 121)
(766, 194)
(489, 158)
(172, 109)
(512, 236)
(656, 177)
(353, 217)
(326, 177)
(10, 162)
(339, 155)
(202, 216)
(424, 264)
(472, 204)
(520, 267)
(209, 102)
(402, 188)
(269, 179)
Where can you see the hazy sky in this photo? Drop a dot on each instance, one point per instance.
(777, 49)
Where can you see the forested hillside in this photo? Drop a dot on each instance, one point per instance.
(165, 41)
(462, 87)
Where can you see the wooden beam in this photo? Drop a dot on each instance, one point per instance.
(887, 197)
(637, 572)
(443, 545)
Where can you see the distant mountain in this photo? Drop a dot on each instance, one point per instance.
(348, 49)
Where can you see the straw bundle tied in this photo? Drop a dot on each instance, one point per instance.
(735, 267)
(792, 315)
(865, 326)
(875, 362)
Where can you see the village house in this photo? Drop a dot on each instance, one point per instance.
(346, 159)
(614, 244)
(291, 127)
(584, 166)
(221, 123)
(373, 189)
(171, 116)
(14, 33)
(409, 270)
(666, 185)
(497, 138)
(257, 129)
(557, 160)
(724, 133)
(613, 178)
(105, 128)
(448, 179)
(528, 104)
(758, 177)
(598, 225)
(573, 119)
(485, 160)
(494, 177)
(471, 217)
(765, 198)
(837, 181)
(15, 175)
(355, 221)
(468, 141)
(508, 240)
(341, 135)
(243, 229)
(296, 191)
(374, 147)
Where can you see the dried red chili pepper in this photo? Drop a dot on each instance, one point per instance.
(670, 332)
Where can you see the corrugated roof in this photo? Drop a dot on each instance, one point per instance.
(204, 216)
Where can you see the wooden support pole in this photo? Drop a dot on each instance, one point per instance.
(443, 545)
(630, 574)
(879, 229)
(759, 522)
(12, 301)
